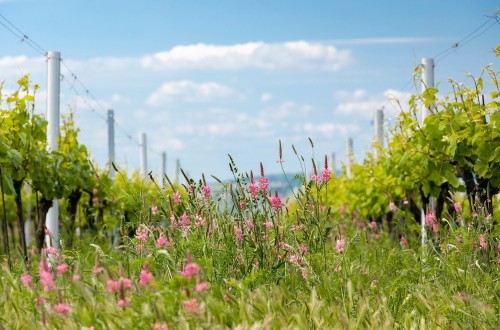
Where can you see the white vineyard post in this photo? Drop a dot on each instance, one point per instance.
(143, 161)
(53, 102)
(350, 157)
(379, 133)
(163, 168)
(427, 82)
(111, 142)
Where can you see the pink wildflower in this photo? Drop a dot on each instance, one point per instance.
(263, 183)
(26, 280)
(51, 251)
(249, 224)
(326, 175)
(294, 259)
(191, 269)
(75, 278)
(252, 187)
(124, 302)
(162, 242)
(276, 202)
(185, 221)
(269, 224)
(160, 326)
(97, 268)
(302, 249)
(202, 286)
(340, 244)
(125, 283)
(112, 286)
(61, 269)
(435, 227)
(373, 225)
(206, 192)
(47, 280)
(430, 218)
(316, 179)
(374, 282)
(62, 309)
(142, 233)
(482, 242)
(242, 205)
(145, 277)
(94, 191)
(191, 306)
(39, 301)
(198, 220)
(238, 233)
(457, 206)
(404, 242)
(176, 197)
(392, 207)
(154, 209)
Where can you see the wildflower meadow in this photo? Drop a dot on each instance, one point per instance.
(410, 239)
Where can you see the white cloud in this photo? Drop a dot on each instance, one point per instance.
(255, 55)
(383, 40)
(329, 130)
(188, 91)
(360, 103)
(266, 97)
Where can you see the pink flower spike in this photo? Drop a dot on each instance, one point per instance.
(112, 286)
(62, 309)
(276, 202)
(254, 190)
(326, 175)
(124, 302)
(201, 286)
(145, 277)
(263, 183)
(392, 207)
(97, 269)
(61, 269)
(160, 326)
(206, 192)
(176, 197)
(154, 209)
(404, 242)
(191, 269)
(26, 280)
(191, 306)
(482, 242)
(340, 244)
(75, 278)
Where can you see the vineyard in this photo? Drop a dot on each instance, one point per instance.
(340, 252)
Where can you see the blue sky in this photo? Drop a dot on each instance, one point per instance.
(205, 79)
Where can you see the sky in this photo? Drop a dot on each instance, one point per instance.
(208, 79)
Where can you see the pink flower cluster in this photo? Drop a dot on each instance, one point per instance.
(340, 244)
(238, 232)
(206, 192)
(46, 276)
(430, 220)
(263, 183)
(142, 233)
(275, 202)
(254, 190)
(192, 269)
(176, 196)
(162, 242)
